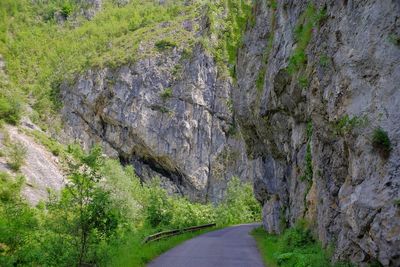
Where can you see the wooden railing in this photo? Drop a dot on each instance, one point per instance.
(166, 234)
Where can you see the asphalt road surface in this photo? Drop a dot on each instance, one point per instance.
(229, 247)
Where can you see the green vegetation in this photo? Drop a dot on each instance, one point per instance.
(346, 124)
(381, 141)
(228, 21)
(296, 247)
(273, 4)
(394, 39)
(267, 245)
(164, 45)
(66, 9)
(239, 204)
(260, 79)
(308, 22)
(166, 94)
(103, 214)
(324, 61)
(16, 155)
(41, 54)
(10, 104)
(303, 81)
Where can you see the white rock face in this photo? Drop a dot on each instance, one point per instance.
(167, 124)
(352, 69)
(41, 169)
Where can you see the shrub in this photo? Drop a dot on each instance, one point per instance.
(308, 172)
(381, 141)
(164, 45)
(10, 109)
(303, 81)
(16, 154)
(346, 124)
(66, 10)
(238, 205)
(297, 247)
(324, 61)
(158, 206)
(186, 214)
(103, 205)
(309, 20)
(9, 189)
(166, 94)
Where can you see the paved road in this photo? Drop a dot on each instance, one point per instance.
(229, 247)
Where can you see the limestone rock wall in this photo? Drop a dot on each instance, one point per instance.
(308, 107)
(168, 115)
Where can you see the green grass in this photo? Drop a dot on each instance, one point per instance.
(166, 94)
(346, 124)
(296, 247)
(136, 254)
(381, 141)
(267, 245)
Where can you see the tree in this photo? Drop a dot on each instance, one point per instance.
(87, 204)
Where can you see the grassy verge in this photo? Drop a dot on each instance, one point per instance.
(267, 245)
(136, 254)
(294, 248)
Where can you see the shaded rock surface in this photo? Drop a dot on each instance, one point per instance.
(311, 129)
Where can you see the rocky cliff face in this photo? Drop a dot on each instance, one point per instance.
(167, 115)
(314, 81)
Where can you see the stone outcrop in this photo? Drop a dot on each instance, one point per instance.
(167, 115)
(308, 107)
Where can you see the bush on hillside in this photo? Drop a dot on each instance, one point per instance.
(10, 109)
(16, 155)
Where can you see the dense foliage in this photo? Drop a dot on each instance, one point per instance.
(103, 206)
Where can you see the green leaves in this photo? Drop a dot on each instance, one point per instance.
(10, 108)
(381, 141)
(238, 205)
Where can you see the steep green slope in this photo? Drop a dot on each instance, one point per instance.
(41, 52)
